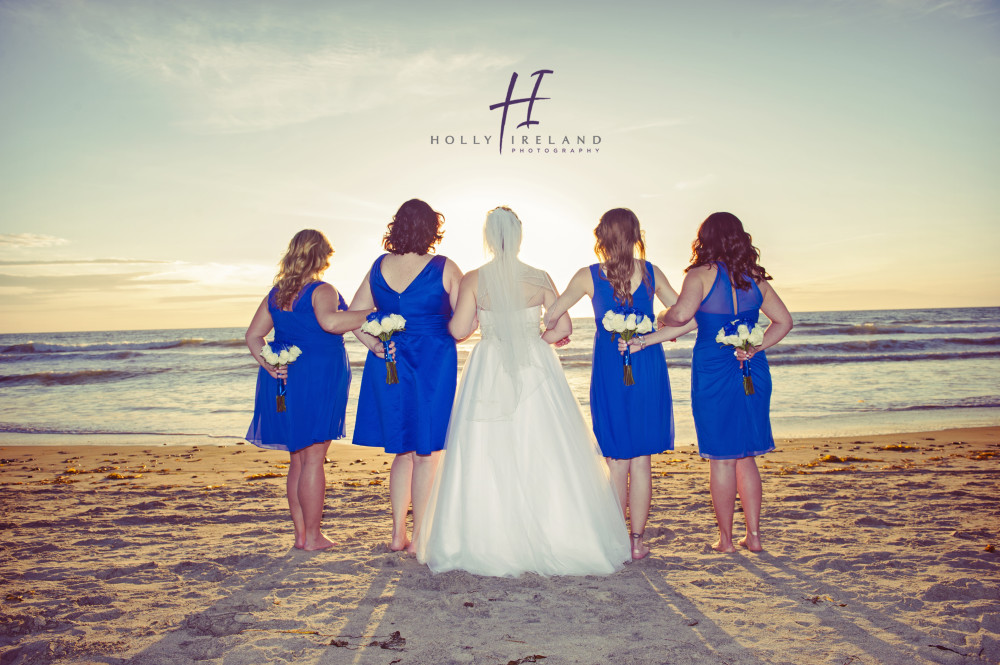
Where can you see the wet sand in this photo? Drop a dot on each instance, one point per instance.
(879, 549)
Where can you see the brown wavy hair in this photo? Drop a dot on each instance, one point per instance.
(415, 227)
(721, 239)
(308, 256)
(619, 239)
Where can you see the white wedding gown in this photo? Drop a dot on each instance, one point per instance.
(522, 486)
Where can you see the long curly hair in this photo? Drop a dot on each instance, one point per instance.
(619, 240)
(307, 258)
(415, 227)
(721, 238)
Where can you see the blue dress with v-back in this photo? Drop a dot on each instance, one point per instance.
(412, 415)
(729, 423)
(629, 421)
(318, 382)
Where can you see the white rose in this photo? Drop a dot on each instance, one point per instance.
(267, 354)
(283, 357)
(293, 353)
(609, 317)
(721, 337)
(618, 323)
(645, 326)
(630, 321)
(743, 333)
(757, 336)
(398, 322)
(373, 328)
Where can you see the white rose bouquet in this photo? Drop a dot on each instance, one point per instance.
(284, 357)
(383, 327)
(741, 335)
(627, 323)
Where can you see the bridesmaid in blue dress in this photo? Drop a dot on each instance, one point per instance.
(630, 422)
(724, 282)
(410, 419)
(303, 312)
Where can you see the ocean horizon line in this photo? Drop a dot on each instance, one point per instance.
(794, 313)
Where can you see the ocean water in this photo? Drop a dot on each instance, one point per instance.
(837, 373)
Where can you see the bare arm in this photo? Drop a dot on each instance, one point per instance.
(464, 322)
(682, 311)
(664, 291)
(665, 334)
(781, 321)
(260, 325)
(326, 303)
(451, 279)
(581, 285)
(563, 325)
(363, 301)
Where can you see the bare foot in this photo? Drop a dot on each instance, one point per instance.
(751, 541)
(639, 549)
(725, 547)
(321, 543)
(398, 545)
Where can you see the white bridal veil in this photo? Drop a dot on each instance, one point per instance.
(506, 286)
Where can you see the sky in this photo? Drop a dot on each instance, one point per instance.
(155, 158)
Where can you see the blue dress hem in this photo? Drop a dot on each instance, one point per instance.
(281, 446)
(754, 453)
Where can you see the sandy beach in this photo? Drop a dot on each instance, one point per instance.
(879, 549)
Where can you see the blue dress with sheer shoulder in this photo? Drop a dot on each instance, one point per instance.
(629, 421)
(412, 415)
(729, 423)
(317, 386)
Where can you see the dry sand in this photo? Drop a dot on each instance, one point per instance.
(172, 555)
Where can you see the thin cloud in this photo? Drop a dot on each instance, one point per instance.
(696, 182)
(229, 76)
(966, 9)
(211, 297)
(113, 282)
(56, 262)
(663, 122)
(22, 240)
(834, 239)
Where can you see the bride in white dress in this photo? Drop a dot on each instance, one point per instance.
(522, 485)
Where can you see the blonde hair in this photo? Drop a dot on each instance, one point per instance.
(308, 256)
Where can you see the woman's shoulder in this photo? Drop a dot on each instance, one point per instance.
(445, 262)
(320, 286)
(705, 270)
(471, 277)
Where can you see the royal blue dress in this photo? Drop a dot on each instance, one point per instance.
(411, 415)
(629, 421)
(318, 381)
(729, 423)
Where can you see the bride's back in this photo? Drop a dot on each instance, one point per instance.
(530, 287)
